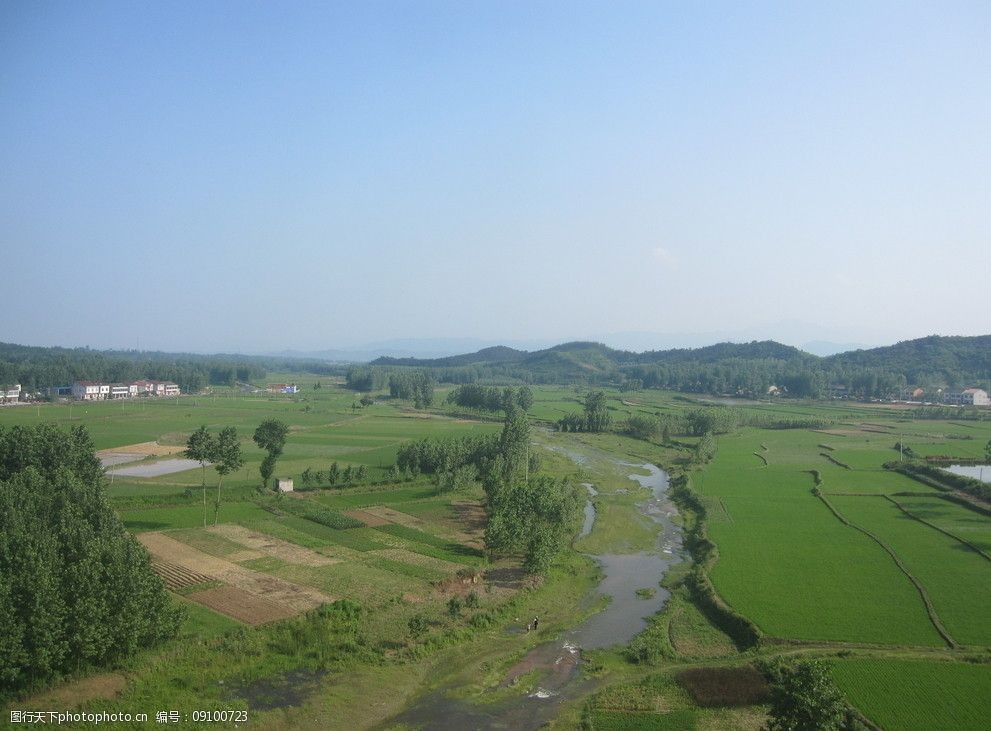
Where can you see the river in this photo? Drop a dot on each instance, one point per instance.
(620, 621)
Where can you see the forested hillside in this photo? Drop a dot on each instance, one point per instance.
(732, 368)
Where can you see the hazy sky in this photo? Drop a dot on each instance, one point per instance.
(241, 176)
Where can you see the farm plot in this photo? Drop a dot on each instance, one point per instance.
(242, 605)
(788, 564)
(178, 577)
(967, 524)
(279, 591)
(957, 578)
(918, 695)
(271, 546)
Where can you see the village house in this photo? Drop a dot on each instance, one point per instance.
(97, 391)
(89, 390)
(10, 393)
(968, 397)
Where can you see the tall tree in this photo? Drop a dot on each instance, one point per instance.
(201, 447)
(227, 459)
(514, 444)
(596, 412)
(271, 436)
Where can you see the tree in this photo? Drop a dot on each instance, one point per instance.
(596, 412)
(524, 398)
(334, 474)
(271, 436)
(514, 444)
(804, 697)
(227, 459)
(201, 447)
(307, 477)
(533, 518)
(666, 435)
(705, 449)
(987, 451)
(367, 400)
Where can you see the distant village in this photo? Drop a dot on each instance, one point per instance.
(95, 391)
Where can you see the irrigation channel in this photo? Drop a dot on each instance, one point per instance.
(559, 661)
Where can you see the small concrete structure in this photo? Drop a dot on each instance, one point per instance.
(283, 484)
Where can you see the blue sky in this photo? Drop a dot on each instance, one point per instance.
(251, 176)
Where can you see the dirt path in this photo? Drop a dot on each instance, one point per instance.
(299, 598)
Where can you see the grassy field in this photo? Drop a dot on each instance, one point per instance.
(775, 536)
(917, 695)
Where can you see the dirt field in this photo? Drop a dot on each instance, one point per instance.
(241, 605)
(389, 515)
(144, 449)
(168, 549)
(366, 517)
(271, 546)
(178, 577)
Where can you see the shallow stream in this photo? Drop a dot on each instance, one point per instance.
(559, 660)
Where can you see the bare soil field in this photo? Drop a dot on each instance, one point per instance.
(280, 591)
(241, 605)
(135, 452)
(144, 449)
(389, 515)
(178, 577)
(271, 546)
(366, 517)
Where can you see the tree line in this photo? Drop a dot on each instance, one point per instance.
(76, 589)
(491, 398)
(529, 514)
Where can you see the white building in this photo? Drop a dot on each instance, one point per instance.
(10, 393)
(283, 484)
(154, 388)
(119, 390)
(968, 397)
(90, 390)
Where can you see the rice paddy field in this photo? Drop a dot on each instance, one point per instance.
(917, 695)
(818, 574)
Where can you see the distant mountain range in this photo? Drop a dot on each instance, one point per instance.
(934, 359)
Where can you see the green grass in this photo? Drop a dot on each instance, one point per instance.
(918, 695)
(957, 579)
(364, 499)
(962, 522)
(190, 516)
(429, 545)
(780, 537)
(643, 720)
